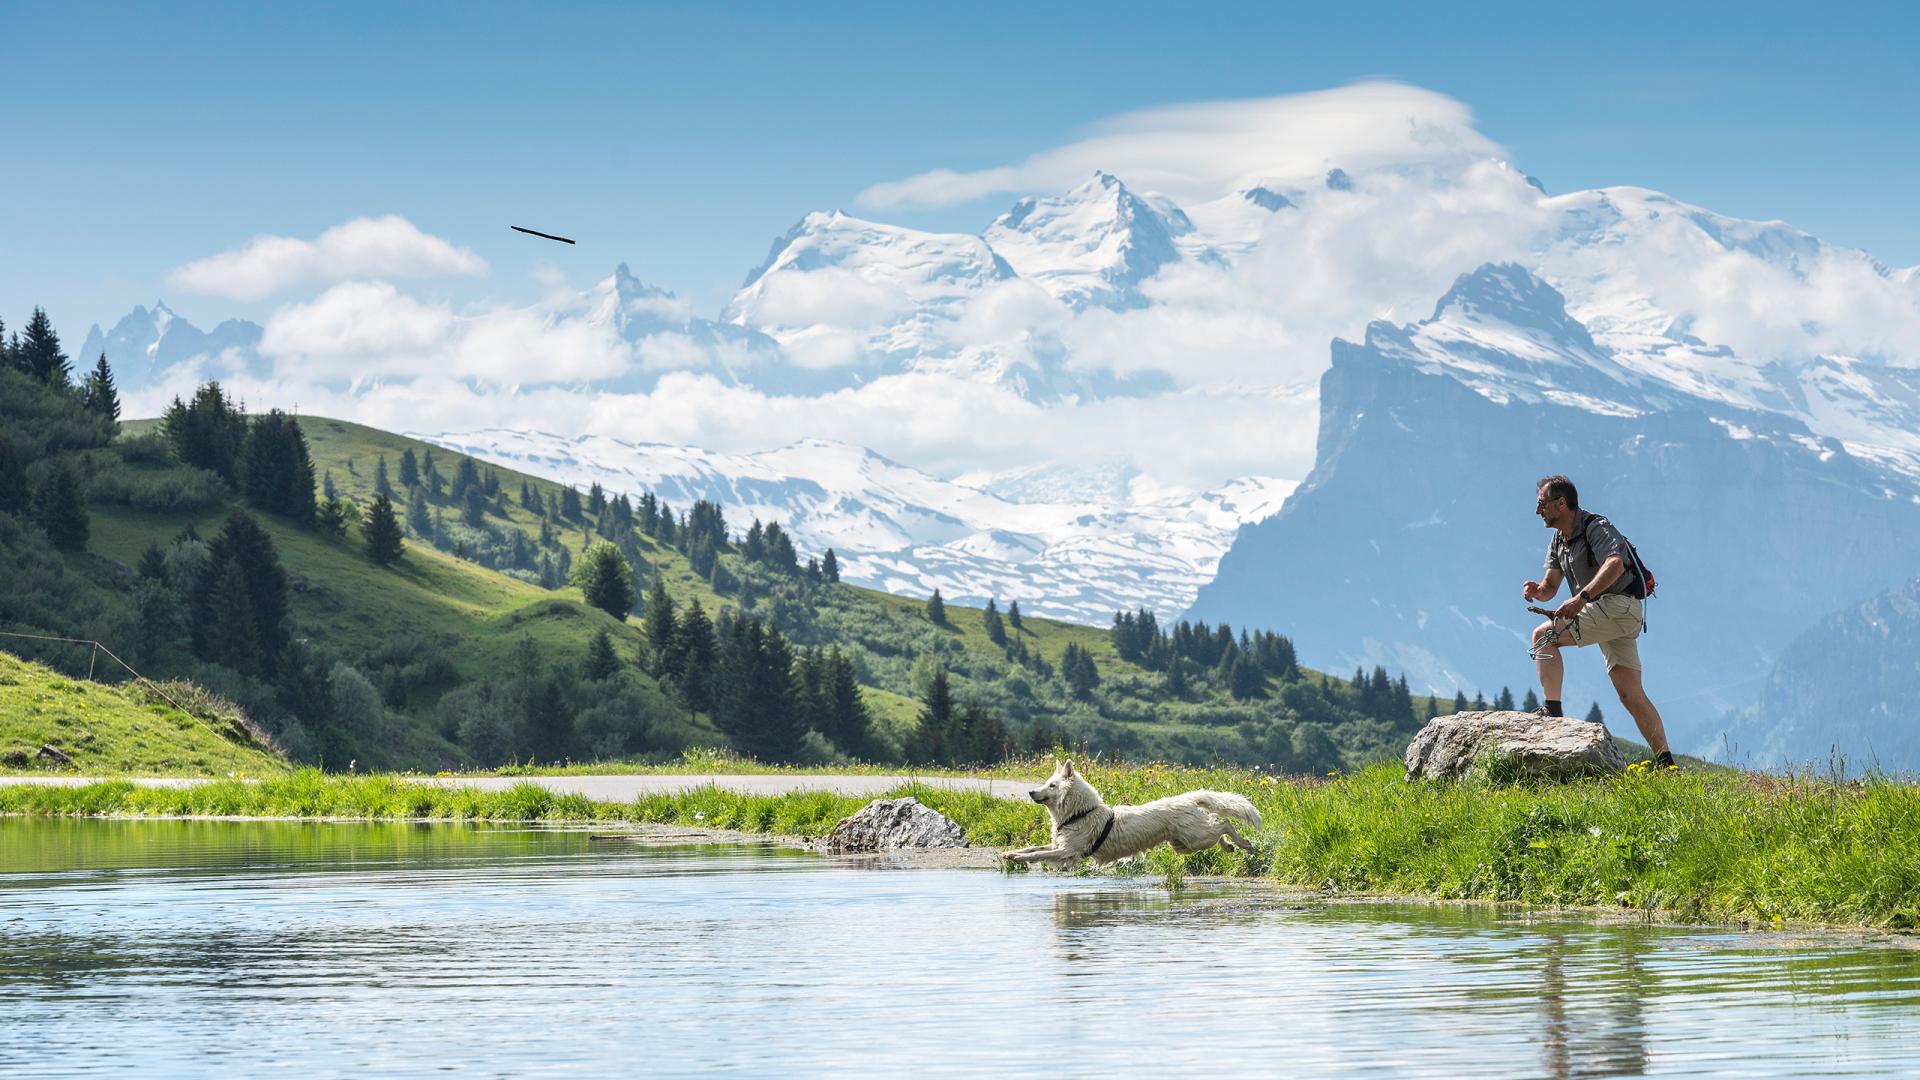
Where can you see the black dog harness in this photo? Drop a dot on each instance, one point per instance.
(1104, 832)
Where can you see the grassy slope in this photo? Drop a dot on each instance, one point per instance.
(344, 597)
(109, 730)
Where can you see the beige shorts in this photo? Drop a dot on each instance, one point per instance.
(1612, 622)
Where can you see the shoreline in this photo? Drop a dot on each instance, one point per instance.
(978, 857)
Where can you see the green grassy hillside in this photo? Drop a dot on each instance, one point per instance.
(473, 661)
(128, 729)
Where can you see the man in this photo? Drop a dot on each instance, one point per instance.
(1591, 555)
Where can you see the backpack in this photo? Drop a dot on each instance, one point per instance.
(1640, 582)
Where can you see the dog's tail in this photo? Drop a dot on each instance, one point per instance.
(1227, 804)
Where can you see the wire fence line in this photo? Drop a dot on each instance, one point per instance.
(99, 648)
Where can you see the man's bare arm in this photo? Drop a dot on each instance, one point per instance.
(1544, 588)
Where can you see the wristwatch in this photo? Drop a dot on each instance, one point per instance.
(1584, 598)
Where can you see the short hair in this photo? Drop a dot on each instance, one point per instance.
(1559, 487)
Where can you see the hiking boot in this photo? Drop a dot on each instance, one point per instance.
(1664, 760)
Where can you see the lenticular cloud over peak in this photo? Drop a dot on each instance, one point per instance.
(1206, 149)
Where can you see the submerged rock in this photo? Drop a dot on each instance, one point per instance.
(893, 825)
(1548, 746)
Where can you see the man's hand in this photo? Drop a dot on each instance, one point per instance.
(1572, 607)
(1534, 591)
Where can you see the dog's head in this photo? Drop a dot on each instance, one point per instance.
(1056, 792)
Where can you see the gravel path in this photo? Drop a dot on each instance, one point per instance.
(628, 788)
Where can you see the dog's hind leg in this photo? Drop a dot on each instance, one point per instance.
(1233, 839)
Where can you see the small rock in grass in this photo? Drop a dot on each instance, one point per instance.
(893, 825)
(1554, 747)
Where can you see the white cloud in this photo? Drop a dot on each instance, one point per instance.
(358, 331)
(367, 247)
(1203, 150)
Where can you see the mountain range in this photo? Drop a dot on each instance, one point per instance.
(1716, 384)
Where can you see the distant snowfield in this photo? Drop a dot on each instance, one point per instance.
(1074, 545)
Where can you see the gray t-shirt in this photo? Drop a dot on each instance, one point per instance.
(1578, 557)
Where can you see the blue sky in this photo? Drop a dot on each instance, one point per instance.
(682, 140)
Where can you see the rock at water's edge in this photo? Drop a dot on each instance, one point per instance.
(1548, 746)
(892, 825)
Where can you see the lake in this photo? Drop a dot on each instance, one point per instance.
(325, 949)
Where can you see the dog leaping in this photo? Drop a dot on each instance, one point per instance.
(1085, 827)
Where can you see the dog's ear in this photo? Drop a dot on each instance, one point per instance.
(1066, 767)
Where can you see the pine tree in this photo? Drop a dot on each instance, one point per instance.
(409, 468)
(98, 394)
(381, 485)
(419, 515)
(990, 620)
(384, 542)
(830, 567)
(1013, 615)
(430, 474)
(596, 499)
(331, 517)
(602, 663)
(1504, 700)
(1531, 702)
(1593, 715)
(39, 353)
(1479, 701)
(657, 619)
(528, 500)
(850, 725)
(695, 653)
(569, 503)
(276, 473)
(935, 720)
(606, 580)
(1460, 701)
(937, 609)
(14, 495)
(239, 607)
(153, 564)
(1245, 680)
(61, 509)
(207, 432)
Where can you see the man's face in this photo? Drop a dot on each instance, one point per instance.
(1548, 509)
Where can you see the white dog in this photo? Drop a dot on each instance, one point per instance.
(1085, 826)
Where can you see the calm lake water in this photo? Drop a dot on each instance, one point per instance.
(242, 948)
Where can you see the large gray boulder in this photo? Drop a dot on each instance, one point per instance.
(1544, 746)
(894, 825)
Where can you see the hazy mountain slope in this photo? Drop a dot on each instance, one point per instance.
(1408, 543)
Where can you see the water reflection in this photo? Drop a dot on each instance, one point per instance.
(351, 949)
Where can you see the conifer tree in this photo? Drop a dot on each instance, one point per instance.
(830, 567)
(606, 580)
(990, 620)
(61, 508)
(430, 475)
(276, 474)
(153, 563)
(39, 353)
(601, 660)
(569, 503)
(1245, 680)
(1479, 701)
(695, 654)
(207, 432)
(331, 517)
(657, 619)
(419, 514)
(98, 394)
(937, 609)
(384, 542)
(935, 720)
(239, 606)
(1593, 715)
(1504, 700)
(849, 724)
(381, 485)
(327, 488)
(409, 468)
(1531, 702)
(1013, 615)
(1460, 701)
(528, 501)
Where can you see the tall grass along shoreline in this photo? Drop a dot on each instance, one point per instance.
(1698, 846)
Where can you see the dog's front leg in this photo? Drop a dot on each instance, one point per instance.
(1056, 855)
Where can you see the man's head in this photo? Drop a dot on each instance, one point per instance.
(1558, 501)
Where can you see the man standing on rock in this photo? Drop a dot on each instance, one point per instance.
(1591, 555)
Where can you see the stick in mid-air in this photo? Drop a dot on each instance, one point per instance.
(536, 232)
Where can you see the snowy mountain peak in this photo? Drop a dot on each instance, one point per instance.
(1093, 245)
(1511, 294)
(1266, 198)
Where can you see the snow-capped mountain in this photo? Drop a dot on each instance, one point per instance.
(146, 341)
(896, 528)
(1093, 245)
(1407, 544)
